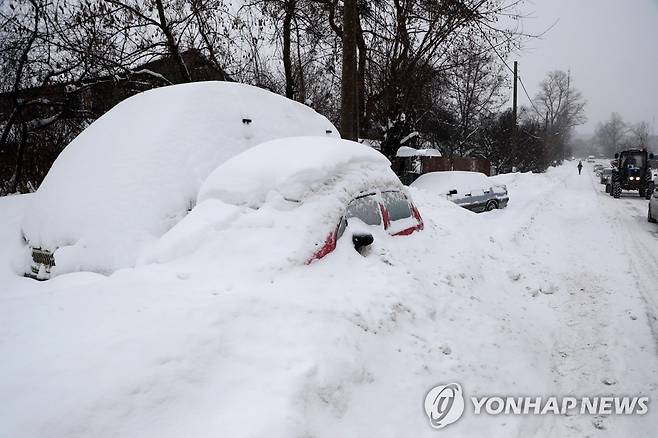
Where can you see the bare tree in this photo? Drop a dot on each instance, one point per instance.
(561, 107)
(560, 104)
(475, 84)
(610, 134)
(639, 135)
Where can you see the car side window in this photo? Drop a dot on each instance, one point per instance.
(397, 205)
(365, 208)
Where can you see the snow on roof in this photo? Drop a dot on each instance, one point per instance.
(406, 151)
(429, 153)
(295, 168)
(134, 172)
(443, 182)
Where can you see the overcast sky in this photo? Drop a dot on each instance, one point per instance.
(611, 48)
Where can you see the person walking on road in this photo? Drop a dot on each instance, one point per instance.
(580, 167)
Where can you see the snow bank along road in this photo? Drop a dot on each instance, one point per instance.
(555, 295)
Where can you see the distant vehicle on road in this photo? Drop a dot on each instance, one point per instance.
(632, 172)
(590, 159)
(474, 191)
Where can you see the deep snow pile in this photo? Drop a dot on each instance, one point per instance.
(134, 173)
(212, 344)
(346, 346)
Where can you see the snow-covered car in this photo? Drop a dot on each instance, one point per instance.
(136, 171)
(472, 190)
(653, 206)
(597, 168)
(292, 200)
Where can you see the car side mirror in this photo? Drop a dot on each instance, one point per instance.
(616, 156)
(362, 240)
(452, 192)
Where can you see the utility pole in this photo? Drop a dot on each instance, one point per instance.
(567, 103)
(514, 103)
(515, 127)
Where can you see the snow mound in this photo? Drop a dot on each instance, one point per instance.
(136, 171)
(295, 168)
(444, 182)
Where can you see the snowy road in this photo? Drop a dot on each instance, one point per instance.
(597, 258)
(555, 295)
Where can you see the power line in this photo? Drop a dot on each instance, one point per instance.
(528, 96)
(509, 68)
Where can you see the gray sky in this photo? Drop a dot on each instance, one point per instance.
(611, 48)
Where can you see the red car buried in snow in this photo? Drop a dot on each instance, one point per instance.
(301, 195)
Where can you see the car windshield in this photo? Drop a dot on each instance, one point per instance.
(365, 208)
(397, 205)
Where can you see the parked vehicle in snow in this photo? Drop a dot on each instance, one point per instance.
(472, 190)
(653, 208)
(298, 209)
(597, 168)
(604, 178)
(632, 172)
(590, 159)
(390, 208)
(136, 171)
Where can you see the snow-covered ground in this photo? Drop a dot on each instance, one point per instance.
(555, 295)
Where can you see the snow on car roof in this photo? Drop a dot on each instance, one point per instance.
(134, 172)
(443, 182)
(296, 168)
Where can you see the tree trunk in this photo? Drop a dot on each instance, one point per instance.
(203, 32)
(174, 50)
(17, 114)
(289, 12)
(18, 173)
(361, 105)
(301, 93)
(349, 92)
